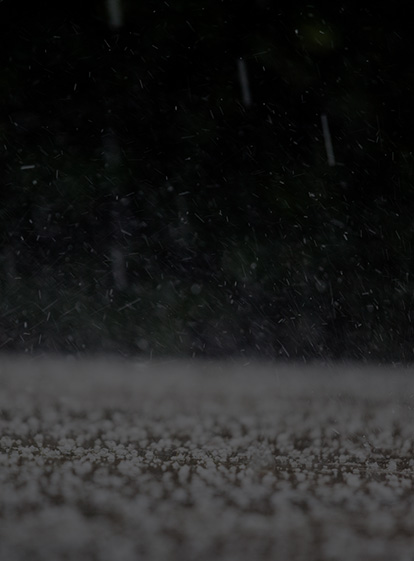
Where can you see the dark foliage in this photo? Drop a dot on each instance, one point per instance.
(149, 206)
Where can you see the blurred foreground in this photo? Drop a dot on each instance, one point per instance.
(104, 460)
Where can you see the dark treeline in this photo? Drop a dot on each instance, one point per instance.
(206, 178)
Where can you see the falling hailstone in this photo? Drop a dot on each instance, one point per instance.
(244, 83)
(114, 13)
(118, 268)
(328, 140)
(196, 289)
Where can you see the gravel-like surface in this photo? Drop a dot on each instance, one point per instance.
(108, 461)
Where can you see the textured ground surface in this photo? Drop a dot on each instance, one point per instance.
(105, 461)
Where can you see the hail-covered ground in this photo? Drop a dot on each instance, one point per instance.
(199, 461)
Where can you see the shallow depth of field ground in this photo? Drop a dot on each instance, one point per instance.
(108, 461)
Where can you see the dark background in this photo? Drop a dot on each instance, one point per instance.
(147, 208)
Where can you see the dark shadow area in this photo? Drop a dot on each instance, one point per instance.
(206, 179)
